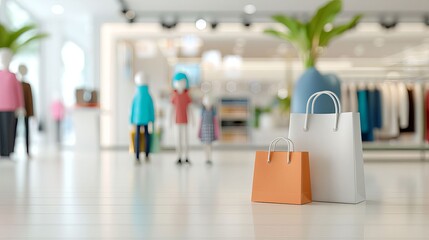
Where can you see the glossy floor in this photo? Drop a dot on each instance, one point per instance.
(68, 195)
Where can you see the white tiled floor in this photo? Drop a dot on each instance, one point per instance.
(106, 196)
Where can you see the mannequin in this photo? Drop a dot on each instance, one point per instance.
(142, 114)
(209, 128)
(181, 100)
(11, 103)
(28, 104)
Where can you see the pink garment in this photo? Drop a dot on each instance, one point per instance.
(57, 110)
(216, 128)
(181, 102)
(11, 96)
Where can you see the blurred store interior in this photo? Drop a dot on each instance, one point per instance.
(82, 74)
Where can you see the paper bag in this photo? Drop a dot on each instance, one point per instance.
(281, 177)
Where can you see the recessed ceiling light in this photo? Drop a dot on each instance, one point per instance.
(201, 24)
(57, 9)
(249, 9)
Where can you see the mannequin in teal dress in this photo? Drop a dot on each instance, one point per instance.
(142, 114)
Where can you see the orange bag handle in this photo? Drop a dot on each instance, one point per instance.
(290, 146)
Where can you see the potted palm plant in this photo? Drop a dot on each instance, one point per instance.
(16, 40)
(310, 38)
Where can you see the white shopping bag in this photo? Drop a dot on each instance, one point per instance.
(335, 148)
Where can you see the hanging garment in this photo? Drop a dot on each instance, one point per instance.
(419, 112)
(374, 104)
(209, 127)
(403, 105)
(394, 121)
(142, 110)
(390, 116)
(411, 111)
(376, 108)
(427, 115)
(353, 104)
(345, 98)
(365, 111)
(386, 102)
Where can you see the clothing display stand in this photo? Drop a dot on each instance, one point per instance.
(418, 115)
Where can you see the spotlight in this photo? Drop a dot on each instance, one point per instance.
(389, 23)
(214, 24)
(169, 24)
(201, 24)
(247, 23)
(130, 15)
(426, 20)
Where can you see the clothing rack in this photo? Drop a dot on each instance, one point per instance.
(384, 79)
(417, 145)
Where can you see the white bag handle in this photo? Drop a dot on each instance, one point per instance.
(312, 99)
(331, 94)
(290, 145)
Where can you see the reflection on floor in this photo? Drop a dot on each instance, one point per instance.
(72, 195)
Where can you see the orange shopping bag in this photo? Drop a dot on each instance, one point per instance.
(281, 177)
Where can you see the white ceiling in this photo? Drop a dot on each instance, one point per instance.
(41, 8)
(360, 43)
(278, 5)
(72, 8)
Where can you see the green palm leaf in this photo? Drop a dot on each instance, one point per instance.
(17, 47)
(278, 34)
(326, 37)
(324, 15)
(17, 40)
(15, 35)
(291, 23)
(308, 37)
(3, 36)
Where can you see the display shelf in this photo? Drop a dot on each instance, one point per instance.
(234, 116)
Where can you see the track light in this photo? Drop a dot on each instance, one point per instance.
(214, 25)
(130, 15)
(247, 23)
(172, 23)
(426, 20)
(389, 23)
